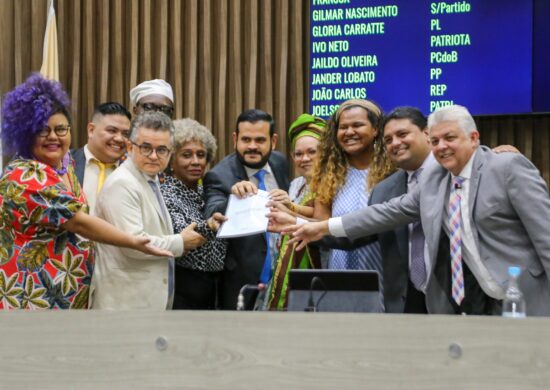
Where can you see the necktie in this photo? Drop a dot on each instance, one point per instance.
(158, 195)
(171, 266)
(418, 265)
(266, 270)
(455, 223)
(102, 168)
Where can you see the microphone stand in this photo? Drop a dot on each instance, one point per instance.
(244, 289)
(311, 305)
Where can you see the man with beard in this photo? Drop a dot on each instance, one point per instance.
(108, 132)
(253, 165)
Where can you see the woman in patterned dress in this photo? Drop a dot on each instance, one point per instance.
(304, 135)
(351, 161)
(197, 271)
(45, 261)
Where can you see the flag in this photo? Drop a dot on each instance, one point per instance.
(50, 62)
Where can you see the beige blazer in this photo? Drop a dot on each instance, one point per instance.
(125, 278)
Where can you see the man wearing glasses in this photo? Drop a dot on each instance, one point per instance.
(131, 200)
(108, 133)
(153, 95)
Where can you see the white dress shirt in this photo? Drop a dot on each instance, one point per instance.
(91, 174)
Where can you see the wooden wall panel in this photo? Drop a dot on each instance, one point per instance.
(73, 28)
(529, 133)
(281, 21)
(7, 45)
(89, 79)
(191, 58)
(220, 125)
(117, 85)
(220, 56)
(205, 102)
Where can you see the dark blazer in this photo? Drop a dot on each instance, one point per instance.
(245, 255)
(394, 245)
(79, 163)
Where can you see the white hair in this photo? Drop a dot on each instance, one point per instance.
(454, 113)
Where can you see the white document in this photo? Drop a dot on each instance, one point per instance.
(245, 216)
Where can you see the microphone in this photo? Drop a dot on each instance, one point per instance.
(458, 186)
(247, 287)
(311, 305)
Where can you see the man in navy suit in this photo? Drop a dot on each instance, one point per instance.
(254, 141)
(407, 144)
(108, 133)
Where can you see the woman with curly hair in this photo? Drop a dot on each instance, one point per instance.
(44, 260)
(198, 272)
(351, 161)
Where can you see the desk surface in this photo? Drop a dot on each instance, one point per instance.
(241, 350)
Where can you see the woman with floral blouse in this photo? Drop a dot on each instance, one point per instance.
(46, 256)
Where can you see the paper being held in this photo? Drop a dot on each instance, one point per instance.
(245, 216)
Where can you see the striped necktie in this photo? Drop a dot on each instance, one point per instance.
(455, 224)
(418, 264)
(266, 270)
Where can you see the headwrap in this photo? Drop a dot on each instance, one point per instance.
(366, 104)
(151, 87)
(306, 125)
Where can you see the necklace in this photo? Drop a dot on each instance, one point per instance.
(64, 165)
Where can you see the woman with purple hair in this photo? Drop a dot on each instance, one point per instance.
(46, 260)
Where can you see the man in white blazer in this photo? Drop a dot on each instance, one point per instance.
(130, 200)
(504, 220)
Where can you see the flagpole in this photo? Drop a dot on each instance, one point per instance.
(50, 62)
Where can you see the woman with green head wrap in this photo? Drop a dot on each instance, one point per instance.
(304, 135)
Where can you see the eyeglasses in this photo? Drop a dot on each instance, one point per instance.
(168, 110)
(146, 150)
(300, 155)
(60, 131)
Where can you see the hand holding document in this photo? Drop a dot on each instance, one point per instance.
(245, 216)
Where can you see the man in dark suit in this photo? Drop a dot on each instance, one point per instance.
(493, 210)
(407, 144)
(254, 140)
(108, 133)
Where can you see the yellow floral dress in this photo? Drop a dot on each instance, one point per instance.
(41, 265)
